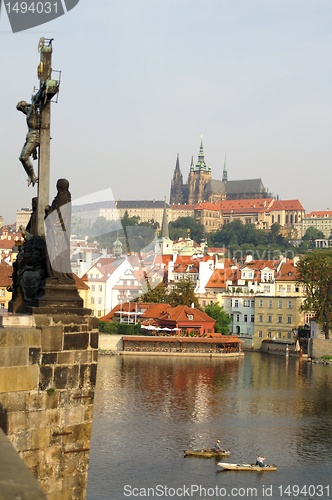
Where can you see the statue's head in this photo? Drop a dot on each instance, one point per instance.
(62, 185)
(21, 105)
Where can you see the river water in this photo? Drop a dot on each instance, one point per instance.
(149, 409)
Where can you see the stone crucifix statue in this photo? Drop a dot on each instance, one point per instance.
(32, 140)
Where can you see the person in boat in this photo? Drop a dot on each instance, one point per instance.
(260, 461)
(218, 446)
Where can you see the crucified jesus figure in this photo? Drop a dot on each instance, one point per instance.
(32, 140)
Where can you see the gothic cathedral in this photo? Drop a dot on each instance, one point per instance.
(201, 187)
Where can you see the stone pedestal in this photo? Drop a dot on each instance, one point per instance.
(47, 381)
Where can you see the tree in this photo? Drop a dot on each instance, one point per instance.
(156, 295)
(223, 320)
(312, 234)
(315, 274)
(183, 294)
(179, 228)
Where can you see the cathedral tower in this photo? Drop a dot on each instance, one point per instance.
(199, 176)
(177, 185)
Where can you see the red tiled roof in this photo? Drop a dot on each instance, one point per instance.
(259, 204)
(6, 272)
(287, 205)
(79, 282)
(181, 312)
(206, 205)
(320, 213)
(288, 272)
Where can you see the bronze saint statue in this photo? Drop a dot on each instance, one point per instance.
(58, 221)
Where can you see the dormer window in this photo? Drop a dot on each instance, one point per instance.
(190, 317)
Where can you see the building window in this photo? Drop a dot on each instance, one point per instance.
(99, 300)
(289, 335)
(252, 318)
(289, 305)
(279, 319)
(269, 318)
(101, 288)
(99, 313)
(237, 317)
(2, 292)
(270, 304)
(279, 335)
(236, 303)
(246, 303)
(245, 319)
(260, 334)
(267, 289)
(2, 305)
(289, 320)
(289, 289)
(260, 303)
(260, 318)
(279, 304)
(269, 335)
(93, 288)
(92, 300)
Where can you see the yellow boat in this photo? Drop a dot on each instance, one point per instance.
(206, 453)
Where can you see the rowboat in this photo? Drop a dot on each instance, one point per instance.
(206, 453)
(250, 467)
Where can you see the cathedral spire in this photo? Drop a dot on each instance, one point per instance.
(224, 173)
(164, 224)
(201, 165)
(176, 195)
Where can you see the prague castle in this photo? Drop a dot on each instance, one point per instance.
(201, 187)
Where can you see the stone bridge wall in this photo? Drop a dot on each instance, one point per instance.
(47, 381)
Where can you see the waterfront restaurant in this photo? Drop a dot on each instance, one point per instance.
(223, 345)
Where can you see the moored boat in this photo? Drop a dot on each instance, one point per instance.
(206, 453)
(247, 467)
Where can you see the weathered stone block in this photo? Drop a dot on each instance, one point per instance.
(34, 355)
(93, 374)
(21, 378)
(66, 357)
(15, 401)
(49, 358)
(40, 438)
(3, 337)
(45, 377)
(76, 341)
(35, 400)
(14, 356)
(30, 337)
(17, 422)
(65, 376)
(70, 416)
(52, 338)
(21, 440)
(94, 337)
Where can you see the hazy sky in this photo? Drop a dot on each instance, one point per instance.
(142, 80)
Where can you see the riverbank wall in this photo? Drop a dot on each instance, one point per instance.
(317, 348)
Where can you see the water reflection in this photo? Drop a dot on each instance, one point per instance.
(147, 410)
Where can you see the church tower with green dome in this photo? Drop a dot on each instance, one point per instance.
(199, 176)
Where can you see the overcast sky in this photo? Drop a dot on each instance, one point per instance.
(143, 80)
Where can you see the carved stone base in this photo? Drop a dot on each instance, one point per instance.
(58, 298)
